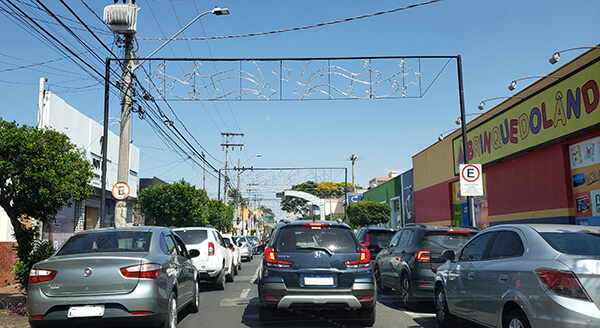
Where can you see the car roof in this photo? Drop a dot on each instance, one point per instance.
(380, 228)
(541, 227)
(303, 222)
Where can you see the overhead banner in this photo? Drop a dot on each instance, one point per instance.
(564, 108)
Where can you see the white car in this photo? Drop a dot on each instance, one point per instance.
(235, 250)
(215, 263)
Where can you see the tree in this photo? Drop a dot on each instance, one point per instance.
(41, 171)
(368, 213)
(220, 216)
(267, 212)
(178, 204)
(322, 190)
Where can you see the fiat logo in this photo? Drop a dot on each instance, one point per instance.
(87, 272)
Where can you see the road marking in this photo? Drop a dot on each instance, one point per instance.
(245, 293)
(255, 276)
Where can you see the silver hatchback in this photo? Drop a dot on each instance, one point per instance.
(139, 276)
(523, 275)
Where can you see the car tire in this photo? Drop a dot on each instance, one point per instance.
(442, 314)
(220, 280)
(240, 265)
(194, 305)
(171, 321)
(516, 319)
(367, 317)
(235, 270)
(229, 276)
(406, 292)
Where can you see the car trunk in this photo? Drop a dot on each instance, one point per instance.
(586, 269)
(318, 269)
(92, 275)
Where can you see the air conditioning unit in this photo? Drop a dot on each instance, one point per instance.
(122, 18)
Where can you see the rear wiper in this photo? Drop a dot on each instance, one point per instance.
(326, 250)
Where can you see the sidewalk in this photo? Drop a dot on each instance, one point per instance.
(11, 294)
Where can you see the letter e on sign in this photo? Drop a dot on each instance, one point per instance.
(471, 182)
(120, 190)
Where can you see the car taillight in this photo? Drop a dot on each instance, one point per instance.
(272, 260)
(41, 275)
(232, 249)
(457, 231)
(364, 260)
(245, 245)
(366, 243)
(142, 271)
(211, 249)
(316, 224)
(562, 283)
(424, 256)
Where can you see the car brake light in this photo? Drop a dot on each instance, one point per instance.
(232, 249)
(211, 249)
(142, 271)
(41, 275)
(424, 256)
(272, 260)
(366, 243)
(245, 245)
(563, 283)
(364, 260)
(457, 231)
(316, 224)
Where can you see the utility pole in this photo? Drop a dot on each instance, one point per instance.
(353, 159)
(227, 145)
(204, 174)
(125, 132)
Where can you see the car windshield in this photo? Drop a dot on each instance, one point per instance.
(192, 236)
(240, 239)
(300, 238)
(446, 239)
(574, 243)
(107, 241)
(253, 238)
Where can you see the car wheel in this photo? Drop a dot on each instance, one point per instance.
(235, 270)
(194, 306)
(367, 317)
(240, 265)
(442, 315)
(405, 291)
(516, 319)
(229, 276)
(380, 287)
(171, 321)
(220, 280)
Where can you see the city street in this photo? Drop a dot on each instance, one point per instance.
(237, 306)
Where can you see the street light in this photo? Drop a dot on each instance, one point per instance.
(127, 71)
(513, 84)
(556, 56)
(482, 103)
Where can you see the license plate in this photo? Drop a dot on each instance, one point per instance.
(318, 281)
(85, 311)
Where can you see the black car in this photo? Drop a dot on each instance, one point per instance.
(316, 265)
(410, 261)
(375, 238)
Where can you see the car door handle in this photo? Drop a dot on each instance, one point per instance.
(471, 275)
(503, 278)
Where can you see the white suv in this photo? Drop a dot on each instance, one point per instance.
(215, 262)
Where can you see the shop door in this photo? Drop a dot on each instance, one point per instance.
(90, 218)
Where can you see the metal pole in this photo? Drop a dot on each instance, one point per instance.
(104, 144)
(461, 93)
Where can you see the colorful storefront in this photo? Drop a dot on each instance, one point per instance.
(540, 155)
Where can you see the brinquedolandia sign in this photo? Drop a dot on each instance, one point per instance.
(560, 110)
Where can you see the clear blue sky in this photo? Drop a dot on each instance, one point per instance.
(498, 40)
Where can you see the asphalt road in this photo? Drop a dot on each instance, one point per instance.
(237, 306)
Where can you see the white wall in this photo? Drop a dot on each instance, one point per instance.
(6, 230)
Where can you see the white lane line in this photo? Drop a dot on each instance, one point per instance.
(245, 293)
(255, 276)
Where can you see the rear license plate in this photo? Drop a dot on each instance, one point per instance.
(85, 311)
(318, 281)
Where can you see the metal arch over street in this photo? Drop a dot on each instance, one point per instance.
(311, 198)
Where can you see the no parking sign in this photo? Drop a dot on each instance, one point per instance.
(471, 182)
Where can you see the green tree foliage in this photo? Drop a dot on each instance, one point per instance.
(368, 213)
(178, 204)
(267, 212)
(220, 216)
(40, 172)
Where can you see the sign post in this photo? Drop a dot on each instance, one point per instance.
(471, 182)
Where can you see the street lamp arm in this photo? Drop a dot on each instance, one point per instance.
(216, 11)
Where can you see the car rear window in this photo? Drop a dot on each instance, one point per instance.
(446, 239)
(107, 241)
(380, 236)
(574, 243)
(192, 236)
(303, 238)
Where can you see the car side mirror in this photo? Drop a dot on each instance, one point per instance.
(449, 255)
(240, 244)
(194, 253)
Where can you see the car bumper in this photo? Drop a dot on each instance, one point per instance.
(361, 295)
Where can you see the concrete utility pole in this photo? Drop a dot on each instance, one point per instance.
(125, 132)
(227, 145)
(353, 159)
(204, 174)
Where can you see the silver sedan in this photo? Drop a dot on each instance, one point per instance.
(140, 276)
(523, 275)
